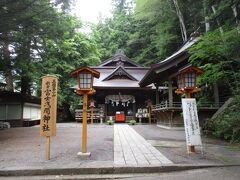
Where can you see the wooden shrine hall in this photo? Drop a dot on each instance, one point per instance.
(118, 94)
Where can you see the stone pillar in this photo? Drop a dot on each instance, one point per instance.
(170, 93)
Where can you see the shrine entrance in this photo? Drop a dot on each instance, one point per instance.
(123, 105)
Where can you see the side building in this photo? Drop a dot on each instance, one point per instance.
(19, 110)
(167, 109)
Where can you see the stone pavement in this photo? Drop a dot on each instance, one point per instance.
(131, 149)
(117, 149)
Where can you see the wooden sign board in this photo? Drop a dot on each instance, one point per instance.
(48, 106)
(191, 122)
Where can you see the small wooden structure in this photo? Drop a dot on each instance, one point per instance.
(167, 109)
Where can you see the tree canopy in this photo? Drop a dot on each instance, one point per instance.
(42, 37)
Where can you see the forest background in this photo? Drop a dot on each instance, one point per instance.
(39, 37)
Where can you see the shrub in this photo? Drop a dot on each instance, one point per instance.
(110, 122)
(227, 124)
(132, 122)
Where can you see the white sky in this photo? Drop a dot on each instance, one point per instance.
(89, 10)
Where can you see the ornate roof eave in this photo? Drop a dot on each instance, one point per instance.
(113, 73)
(170, 62)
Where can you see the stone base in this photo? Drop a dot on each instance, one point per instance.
(171, 127)
(81, 154)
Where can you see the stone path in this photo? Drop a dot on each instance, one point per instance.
(131, 149)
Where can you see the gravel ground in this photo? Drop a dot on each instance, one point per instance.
(23, 147)
(172, 144)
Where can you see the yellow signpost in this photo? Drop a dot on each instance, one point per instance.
(48, 110)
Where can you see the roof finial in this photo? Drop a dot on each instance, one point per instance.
(119, 51)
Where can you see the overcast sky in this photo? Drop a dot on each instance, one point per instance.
(89, 10)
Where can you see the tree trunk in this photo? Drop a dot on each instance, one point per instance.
(218, 23)
(206, 18)
(234, 8)
(25, 85)
(26, 79)
(7, 64)
(181, 21)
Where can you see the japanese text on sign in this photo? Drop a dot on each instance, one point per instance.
(191, 122)
(48, 106)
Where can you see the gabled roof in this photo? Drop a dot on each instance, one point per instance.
(119, 71)
(161, 71)
(119, 56)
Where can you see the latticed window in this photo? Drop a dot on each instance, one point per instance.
(190, 79)
(85, 80)
(180, 82)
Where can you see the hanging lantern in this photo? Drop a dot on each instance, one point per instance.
(85, 80)
(186, 79)
(85, 76)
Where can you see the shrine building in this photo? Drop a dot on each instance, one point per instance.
(118, 90)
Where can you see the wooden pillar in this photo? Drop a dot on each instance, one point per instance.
(134, 110)
(150, 114)
(84, 124)
(216, 94)
(92, 108)
(105, 109)
(187, 95)
(157, 94)
(170, 93)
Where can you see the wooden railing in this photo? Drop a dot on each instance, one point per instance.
(178, 105)
(78, 114)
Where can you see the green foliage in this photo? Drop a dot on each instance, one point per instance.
(155, 33)
(113, 33)
(227, 124)
(110, 122)
(218, 55)
(132, 122)
(44, 40)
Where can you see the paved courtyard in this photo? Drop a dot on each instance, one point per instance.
(120, 145)
(24, 148)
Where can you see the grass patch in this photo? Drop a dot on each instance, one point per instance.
(225, 159)
(132, 122)
(110, 122)
(233, 147)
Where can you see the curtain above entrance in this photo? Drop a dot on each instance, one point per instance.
(117, 99)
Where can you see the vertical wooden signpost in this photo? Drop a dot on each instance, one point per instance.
(48, 110)
(186, 80)
(191, 124)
